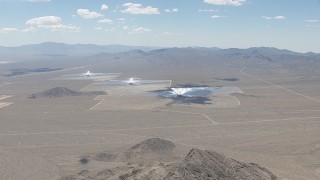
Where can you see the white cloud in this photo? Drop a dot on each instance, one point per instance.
(208, 10)
(276, 17)
(12, 30)
(98, 28)
(121, 20)
(125, 27)
(139, 9)
(267, 17)
(8, 30)
(104, 7)
(312, 20)
(172, 10)
(85, 13)
(111, 29)
(217, 17)
(139, 30)
(312, 26)
(167, 33)
(53, 23)
(61, 28)
(226, 2)
(279, 17)
(45, 20)
(29, 30)
(105, 21)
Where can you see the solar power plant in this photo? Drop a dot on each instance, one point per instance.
(159, 90)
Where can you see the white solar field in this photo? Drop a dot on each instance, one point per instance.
(139, 97)
(128, 97)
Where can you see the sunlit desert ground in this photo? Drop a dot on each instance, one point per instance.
(275, 122)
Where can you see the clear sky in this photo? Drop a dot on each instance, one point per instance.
(285, 24)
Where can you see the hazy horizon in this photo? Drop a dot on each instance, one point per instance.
(292, 25)
(156, 47)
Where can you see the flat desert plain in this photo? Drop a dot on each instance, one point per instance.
(275, 122)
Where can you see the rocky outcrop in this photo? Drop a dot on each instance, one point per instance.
(200, 164)
(197, 164)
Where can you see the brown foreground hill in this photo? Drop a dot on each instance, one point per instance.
(197, 164)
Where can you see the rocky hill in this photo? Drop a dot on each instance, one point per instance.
(197, 164)
(151, 147)
(154, 148)
(200, 164)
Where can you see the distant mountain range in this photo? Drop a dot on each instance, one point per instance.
(52, 50)
(189, 58)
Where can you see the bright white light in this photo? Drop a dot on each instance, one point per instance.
(189, 92)
(88, 73)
